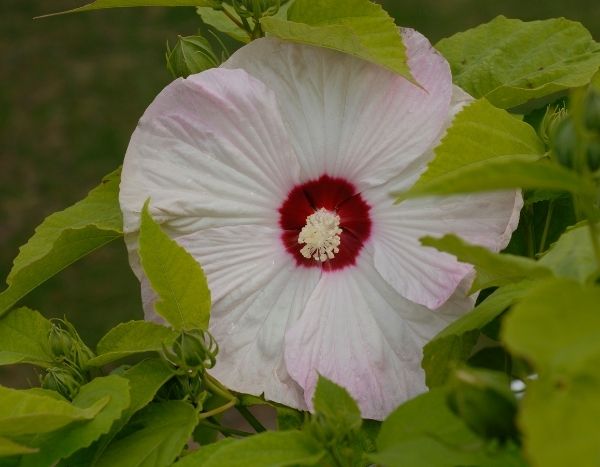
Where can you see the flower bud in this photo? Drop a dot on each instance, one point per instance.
(593, 155)
(192, 351)
(60, 341)
(191, 54)
(484, 401)
(552, 118)
(66, 345)
(591, 112)
(564, 142)
(62, 381)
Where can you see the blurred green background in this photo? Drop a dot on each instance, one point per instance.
(72, 90)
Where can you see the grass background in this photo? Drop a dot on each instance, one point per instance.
(72, 90)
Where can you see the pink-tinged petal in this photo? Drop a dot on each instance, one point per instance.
(211, 150)
(257, 293)
(357, 331)
(423, 274)
(349, 118)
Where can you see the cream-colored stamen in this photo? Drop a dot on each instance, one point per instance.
(321, 234)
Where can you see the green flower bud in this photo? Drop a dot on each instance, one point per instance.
(191, 54)
(593, 155)
(591, 112)
(192, 351)
(66, 345)
(552, 118)
(63, 381)
(483, 399)
(60, 341)
(564, 142)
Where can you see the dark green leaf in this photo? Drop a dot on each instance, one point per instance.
(63, 238)
(131, 338)
(24, 338)
(145, 379)
(357, 27)
(62, 443)
(177, 278)
(158, 434)
(23, 412)
(511, 62)
(203, 454)
(268, 449)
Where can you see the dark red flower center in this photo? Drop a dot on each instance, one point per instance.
(337, 196)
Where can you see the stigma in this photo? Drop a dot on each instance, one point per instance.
(321, 235)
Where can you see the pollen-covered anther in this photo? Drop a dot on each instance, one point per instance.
(321, 235)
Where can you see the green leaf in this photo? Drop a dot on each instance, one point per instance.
(268, 449)
(493, 269)
(102, 4)
(218, 20)
(480, 132)
(510, 62)
(424, 432)
(203, 454)
(336, 405)
(356, 27)
(24, 338)
(505, 172)
(159, 433)
(145, 379)
(131, 338)
(555, 327)
(10, 448)
(572, 256)
(455, 343)
(63, 238)
(177, 278)
(62, 443)
(22, 412)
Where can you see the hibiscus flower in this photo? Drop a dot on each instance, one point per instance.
(275, 172)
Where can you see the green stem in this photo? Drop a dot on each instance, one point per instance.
(226, 431)
(251, 419)
(218, 410)
(217, 388)
(546, 227)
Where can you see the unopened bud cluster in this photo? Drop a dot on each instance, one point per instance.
(568, 141)
(70, 355)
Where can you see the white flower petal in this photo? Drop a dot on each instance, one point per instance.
(350, 118)
(210, 150)
(423, 274)
(357, 331)
(257, 292)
